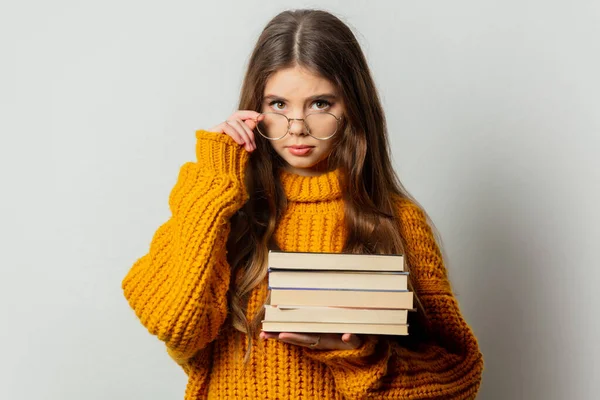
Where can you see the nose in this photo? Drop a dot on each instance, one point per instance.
(297, 126)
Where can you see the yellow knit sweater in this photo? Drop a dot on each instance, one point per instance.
(179, 292)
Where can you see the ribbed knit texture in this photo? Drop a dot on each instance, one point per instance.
(178, 291)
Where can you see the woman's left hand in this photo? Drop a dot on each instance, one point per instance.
(323, 341)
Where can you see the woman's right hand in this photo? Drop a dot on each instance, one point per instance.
(239, 126)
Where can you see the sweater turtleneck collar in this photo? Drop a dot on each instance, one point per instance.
(311, 188)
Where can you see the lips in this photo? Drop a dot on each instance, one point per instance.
(300, 150)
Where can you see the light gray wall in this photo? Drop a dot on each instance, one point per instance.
(493, 110)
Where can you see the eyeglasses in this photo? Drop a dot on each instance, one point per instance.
(320, 125)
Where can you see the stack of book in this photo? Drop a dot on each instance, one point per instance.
(337, 293)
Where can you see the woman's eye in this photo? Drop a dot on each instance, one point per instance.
(276, 102)
(324, 104)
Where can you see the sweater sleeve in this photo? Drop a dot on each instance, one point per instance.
(178, 288)
(444, 364)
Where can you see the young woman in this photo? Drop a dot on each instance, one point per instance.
(304, 165)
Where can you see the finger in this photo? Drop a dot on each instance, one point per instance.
(244, 114)
(300, 339)
(354, 341)
(296, 341)
(239, 126)
(233, 133)
(269, 335)
(240, 133)
(327, 341)
(252, 122)
(249, 132)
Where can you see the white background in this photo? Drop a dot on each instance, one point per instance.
(494, 117)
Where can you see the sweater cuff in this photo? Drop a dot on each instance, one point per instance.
(362, 355)
(219, 154)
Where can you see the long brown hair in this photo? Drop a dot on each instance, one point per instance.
(323, 44)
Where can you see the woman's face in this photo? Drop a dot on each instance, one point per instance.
(296, 92)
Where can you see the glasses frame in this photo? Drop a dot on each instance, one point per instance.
(337, 127)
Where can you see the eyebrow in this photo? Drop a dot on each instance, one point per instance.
(329, 96)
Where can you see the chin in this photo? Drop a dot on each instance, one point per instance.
(307, 164)
(302, 164)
